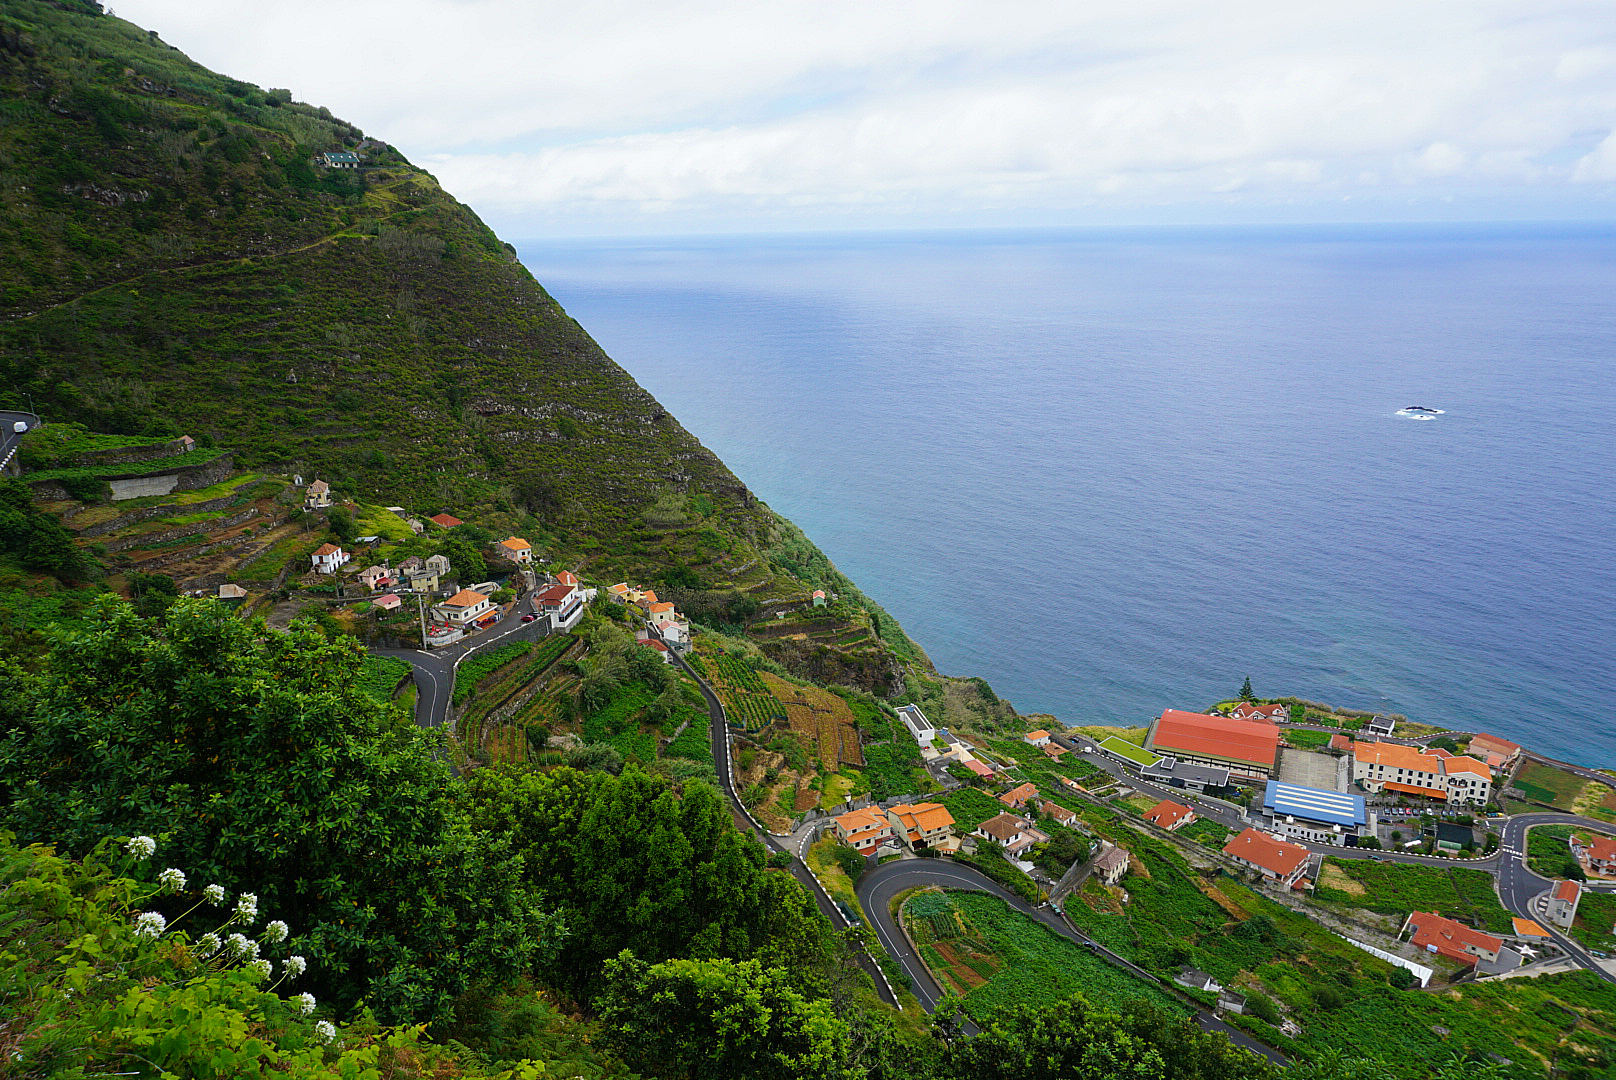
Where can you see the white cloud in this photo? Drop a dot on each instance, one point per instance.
(785, 110)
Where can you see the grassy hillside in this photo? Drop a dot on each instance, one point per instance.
(177, 259)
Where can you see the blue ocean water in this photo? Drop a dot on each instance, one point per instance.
(1117, 471)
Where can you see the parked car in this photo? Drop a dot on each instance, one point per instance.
(529, 617)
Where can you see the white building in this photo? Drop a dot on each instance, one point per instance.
(1432, 774)
(327, 558)
(463, 608)
(918, 725)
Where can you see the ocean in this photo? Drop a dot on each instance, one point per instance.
(1116, 471)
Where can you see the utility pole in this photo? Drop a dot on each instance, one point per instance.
(420, 605)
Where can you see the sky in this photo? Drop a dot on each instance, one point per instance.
(627, 117)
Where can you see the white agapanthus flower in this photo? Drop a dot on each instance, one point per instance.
(141, 847)
(277, 932)
(171, 879)
(260, 969)
(149, 924)
(213, 894)
(295, 966)
(207, 944)
(247, 906)
(241, 947)
(304, 1003)
(325, 1031)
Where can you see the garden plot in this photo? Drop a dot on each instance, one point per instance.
(823, 717)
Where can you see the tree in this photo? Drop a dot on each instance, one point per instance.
(465, 561)
(151, 593)
(718, 1019)
(342, 523)
(254, 756)
(1246, 694)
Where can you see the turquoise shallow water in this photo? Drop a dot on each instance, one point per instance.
(1118, 471)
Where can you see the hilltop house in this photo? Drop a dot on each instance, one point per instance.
(819, 598)
(866, 829)
(1017, 797)
(1170, 815)
(517, 550)
(921, 825)
(327, 558)
(317, 496)
(340, 159)
(1016, 834)
(463, 608)
(1452, 939)
(563, 604)
(919, 727)
(1598, 854)
(1058, 814)
(1111, 864)
(1267, 714)
(1037, 738)
(1410, 770)
(1562, 903)
(1278, 862)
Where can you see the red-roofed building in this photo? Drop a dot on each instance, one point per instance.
(1451, 939)
(1058, 813)
(1241, 746)
(1597, 854)
(390, 602)
(1411, 770)
(1267, 714)
(1562, 905)
(567, 577)
(327, 558)
(447, 521)
(922, 825)
(865, 829)
(1055, 752)
(656, 646)
(564, 604)
(1037, 738)
(1015, 833)
(1277, 861)
(464, 607)
(1339, 741)
(517, 550)
(1018, 797)
(1494, 751)
(977, 767)
(1170, 815)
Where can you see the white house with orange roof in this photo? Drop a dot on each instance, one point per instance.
(463, 608)
(517, 550)
(1268, 714)
(1410, 770)
(327, 558)
(1278, 862)
(866, 829)
(1037, 738)
(1170, 815)
(922, 825)
(1597, 854)
(563, 603)
(618, 592)
(1014, 833)
(1496, 752)
(1561, 906)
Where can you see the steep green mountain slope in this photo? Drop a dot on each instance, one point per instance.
(178, 259)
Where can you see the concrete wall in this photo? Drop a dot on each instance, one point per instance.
(141, 487)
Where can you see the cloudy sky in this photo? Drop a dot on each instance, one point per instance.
(624, 116)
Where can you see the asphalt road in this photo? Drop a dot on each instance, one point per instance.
(10, 438)
(435, 669)
(878, 887)
(1518, 887)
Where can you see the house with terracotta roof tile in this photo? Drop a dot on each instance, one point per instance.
(445, 521)
(921, 825)
(1111, 863)
(390, 602)
(327, 558)
(1562, 902)
(463, 608)
(1017, 797)
(517, 550)
(818, 598)
(1452, 939)
(1245, 747)
(564, 604)
(1057, 813)
(866, 829)
(1170, 815)
(1037, 738)
(978, 768)
(1014, 833)
(1267, 714)
(374, 575)
(1598, 854)
(1496, 752)
(1412, 770)
(1278, 862)
(619, 592)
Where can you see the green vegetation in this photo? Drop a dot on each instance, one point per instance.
(1399, 888)
(1307, 740)
(1206, 832)
(1549, 853)
(1136, 754)
(1548, 785)
(482, 664)
(695, 743)
(380, 675)
(129, 468)
(36, 541)
(971, 807)
(1596, 921)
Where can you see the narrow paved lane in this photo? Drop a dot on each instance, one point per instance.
(435, 668)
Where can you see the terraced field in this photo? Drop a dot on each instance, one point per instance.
(821, 715)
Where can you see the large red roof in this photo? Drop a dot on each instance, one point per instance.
(1216, 736)
(1260, 849)
(1449, 937)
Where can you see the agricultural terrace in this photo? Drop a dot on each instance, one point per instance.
(380, 676)
(747, 700)
(503, 679)
(1399, 888)
(1030, 763)
(823, 717)
(977, 947)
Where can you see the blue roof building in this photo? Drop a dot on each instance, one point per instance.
(1316, 815)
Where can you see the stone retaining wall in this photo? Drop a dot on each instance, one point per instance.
(147, 513)
(195, 528)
